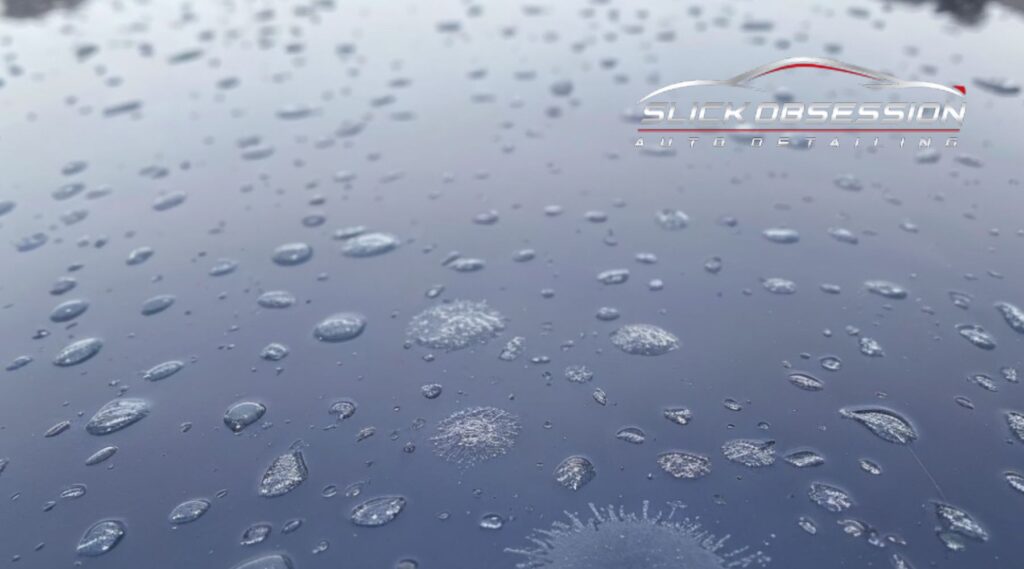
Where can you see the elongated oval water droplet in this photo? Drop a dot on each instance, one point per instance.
(291, 254)
(100, 456)
(101, 538)
(189, 511)
(377, 511)
(68, 310)
(163, 370)
(340, 327)
(977, 336)
(370, 245)
(78, 352)
(884, 423)
(117, 415)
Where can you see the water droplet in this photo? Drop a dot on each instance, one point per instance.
(805, 459)
(871, 348)
(958, 521)
(78, 352)
(378, 511)
(575, 472)
(340, 327)
(284, 474)
(223, 267)
(274, 561)
(977, 335)
(101, 538)
(431, 390)
(678, 415)
(343, 408)
(886, 289)
(633, 435)
(276, 299)
(68, 310)
(169, 201)
(370, 245)
(116, 415)
(492, 522)
(672, 219)
(1013, 315)
(291, 254)
(806, 382)
(274, 352)
(100, 456)
(870, 467)
(1016, 481)
(613, 276)
(884, 423)
(163, 371)
(776, 285)
(1016, 423)
(188, 511)
(157, 304)
(255, 534)
(782, 235)
(241, 415)
(808, 525)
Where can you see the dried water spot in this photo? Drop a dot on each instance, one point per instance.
(475, 435)
(612, 538)
(455, 325)
(644, 340)
(685, 465)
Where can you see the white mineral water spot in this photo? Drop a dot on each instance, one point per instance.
(829, 497)
(685, 465)
(753, 453)
(455, 325)
(644, 340)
